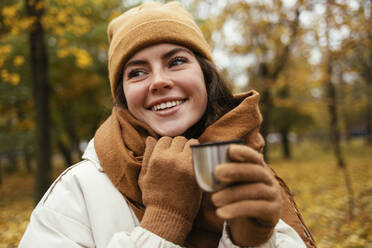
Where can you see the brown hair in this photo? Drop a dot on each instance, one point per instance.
(220, 98)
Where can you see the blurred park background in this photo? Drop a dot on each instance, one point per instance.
(310, 60)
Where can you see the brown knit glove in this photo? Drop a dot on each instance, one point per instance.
(169, 190)
(252, 203)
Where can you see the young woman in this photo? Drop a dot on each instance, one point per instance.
(135, 186)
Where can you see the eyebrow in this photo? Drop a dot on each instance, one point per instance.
(174, 51)
(165, 56)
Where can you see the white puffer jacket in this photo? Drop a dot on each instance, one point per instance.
(82, 208)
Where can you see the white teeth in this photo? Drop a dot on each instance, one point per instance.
(169, 104)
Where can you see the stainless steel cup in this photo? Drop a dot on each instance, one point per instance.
(206, 157)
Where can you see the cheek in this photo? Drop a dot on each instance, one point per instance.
(135, 96)
(204, 98)
(202, 91)
(198, 91)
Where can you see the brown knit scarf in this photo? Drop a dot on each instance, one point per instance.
(120, 144)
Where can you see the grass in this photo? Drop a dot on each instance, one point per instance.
(317, 183)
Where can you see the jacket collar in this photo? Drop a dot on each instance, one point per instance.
(91, 155)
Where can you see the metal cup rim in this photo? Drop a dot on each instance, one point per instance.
(236, 141)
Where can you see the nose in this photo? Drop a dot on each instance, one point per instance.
(160, 82)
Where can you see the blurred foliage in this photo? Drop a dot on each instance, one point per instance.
(288, 40)
(77, 45)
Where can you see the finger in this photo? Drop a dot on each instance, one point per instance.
(263, 210)
(236, 193)
(150, 144)
(243, 172)
(242, 153)
(178, 143)
(187, 149)
(163, 143)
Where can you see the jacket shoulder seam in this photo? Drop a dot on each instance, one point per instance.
(59, 179)
(65, 216)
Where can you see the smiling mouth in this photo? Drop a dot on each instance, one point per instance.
(167, 105)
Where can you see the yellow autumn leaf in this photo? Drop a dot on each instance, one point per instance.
(62, 17)
(79, 2)
(5, 75)
(87, 11)
(2, 61)
(62, 53)
(79, 25)
(69, 10)
(40, 5)
(15, 31)
(58, 30)
(14, 79)
(79, 21)
(49, 22)
(19, 61)
(10, 11)
(26, 23)
(83, 58)
(53, 10)
(5, 50)
(97, 2)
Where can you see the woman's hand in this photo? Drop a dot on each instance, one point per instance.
(169, 190)
(252, 203)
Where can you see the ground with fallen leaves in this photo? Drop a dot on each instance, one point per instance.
(317, 183)
(321, 195)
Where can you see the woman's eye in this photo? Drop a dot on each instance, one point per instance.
(135, 73)
(177, 61)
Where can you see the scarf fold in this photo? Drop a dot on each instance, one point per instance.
(120, 143)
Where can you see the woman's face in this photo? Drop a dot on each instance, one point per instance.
(164, 87)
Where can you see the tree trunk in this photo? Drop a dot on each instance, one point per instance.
(335, 135)
(12, 161)
(1, 171)
(28, 160)
(334, 125)
(39, 69)
(266, 108)
(348, 130)
(66, 153)
(286, 148)
(350, 191)
(71, 132)
(369, 116)
(270, 77)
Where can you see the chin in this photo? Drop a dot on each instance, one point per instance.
(170, 132)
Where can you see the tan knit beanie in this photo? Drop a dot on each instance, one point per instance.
(148, 24)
